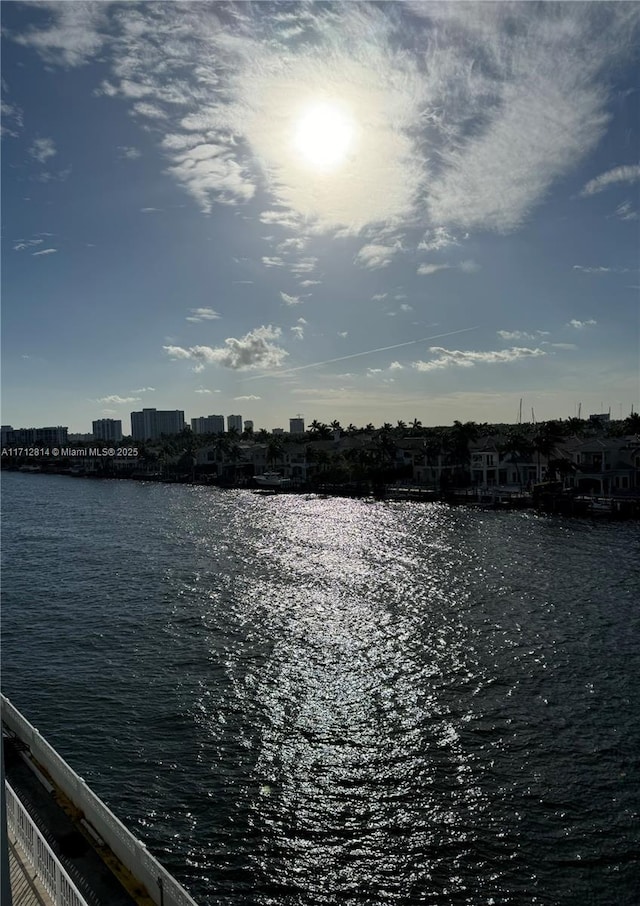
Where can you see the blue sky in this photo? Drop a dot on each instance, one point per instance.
(367, 212)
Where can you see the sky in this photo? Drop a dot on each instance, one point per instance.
(354, 211)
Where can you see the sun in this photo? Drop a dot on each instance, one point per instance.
(324, 135)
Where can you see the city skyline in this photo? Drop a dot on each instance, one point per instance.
(362, 212)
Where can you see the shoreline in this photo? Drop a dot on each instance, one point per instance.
(541, 499)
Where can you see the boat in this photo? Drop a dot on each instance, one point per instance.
(272, 480)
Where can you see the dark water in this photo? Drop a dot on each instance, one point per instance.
(305, 702)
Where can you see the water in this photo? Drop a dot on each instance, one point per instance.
(307, 702)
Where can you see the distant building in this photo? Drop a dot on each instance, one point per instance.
(109, 429)
(234, 421)
(151, 423)
(208, 424)
(600, 418)
(278, 431)
(296, 426)
(248, 424)
(80, 438)
(35, 436)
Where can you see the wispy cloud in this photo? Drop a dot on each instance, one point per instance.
(42, 149)
(128, 153)
(298, 329)
(625, 174)
(118, 400)
(290, 300)
(464, 126)
(467, 267)
(44, 252)
(249, 396)
(521, 334)
(625, 211)
(22, 244)
(373, 257)
(203, 314)
(601, 270)
(467, 359)
(426, 270)
(255, 350)
(580, 325)
(144, 390)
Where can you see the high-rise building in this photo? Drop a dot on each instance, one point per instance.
(35, 436)
(109, 429)
(151, 423)
(296, 425)
(277, 431)
(208, 424)
(248, 424)
(234, 421)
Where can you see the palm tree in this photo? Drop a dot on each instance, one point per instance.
(519, 447)
(274, 450)
(335, 424)
(457, 443)
(546, 440)
(416, 424)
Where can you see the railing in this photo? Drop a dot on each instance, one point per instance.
(39, 854)
(162, 888)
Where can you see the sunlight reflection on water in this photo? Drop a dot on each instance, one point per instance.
(303, 701)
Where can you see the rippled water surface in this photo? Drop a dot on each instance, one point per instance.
(304, 702)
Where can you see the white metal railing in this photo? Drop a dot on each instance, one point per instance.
(162, 888)
(39, 854)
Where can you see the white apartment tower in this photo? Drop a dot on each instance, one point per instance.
(151, 423)
(108, 429)
(208, 424)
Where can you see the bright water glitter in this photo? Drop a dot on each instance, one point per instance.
(315, 702)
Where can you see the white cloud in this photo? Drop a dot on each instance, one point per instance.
(467, 359)
(624, 174)
(128, 153)
(306, 283)
(406, 307)
(601, 270)
(343, 334)
(144, 390)
(44, 252)
(118, 400)
(563, 345)
(396, 366)
(466, 125)
(250, 396)
(436, 239)
(273, 262)
(626, 212)
(378, 297)
(373, 257)
(202, 390)
(22, 244)
(254, 350)
(42, 149)
(521, 334)
(202, 314)
(426, 270)
(71, 36)
(303, 266)
(579, 325)
(150, 210)
(298, 329)
(290, 300)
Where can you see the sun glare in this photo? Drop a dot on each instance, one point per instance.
(324, 135)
